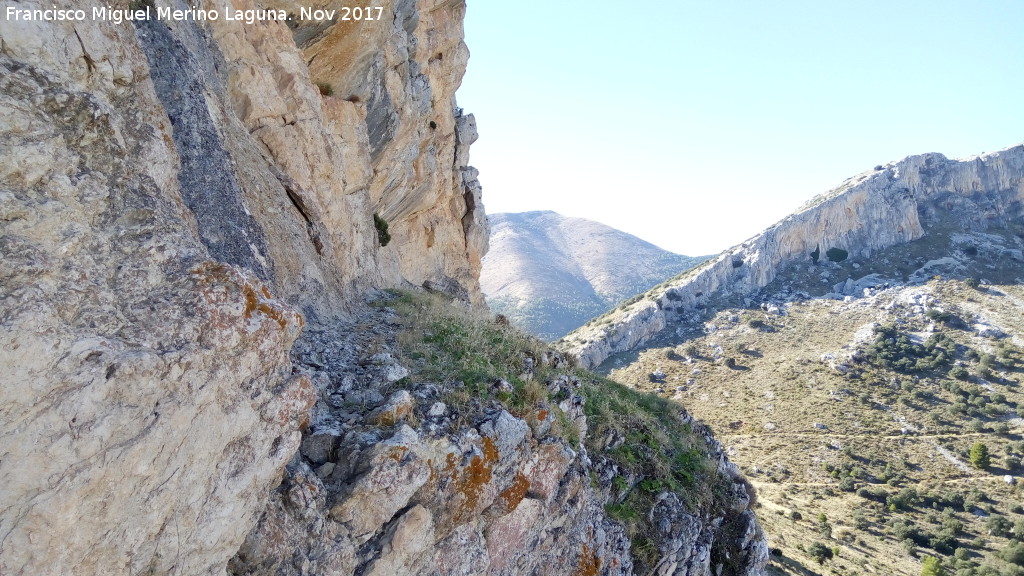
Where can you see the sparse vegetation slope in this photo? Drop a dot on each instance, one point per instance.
(880, 431)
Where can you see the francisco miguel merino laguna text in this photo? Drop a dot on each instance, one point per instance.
(119, 15)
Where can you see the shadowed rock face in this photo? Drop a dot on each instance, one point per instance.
(550, 274)
(869, 212)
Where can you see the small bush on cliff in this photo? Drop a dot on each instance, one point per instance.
(820, 552)
(931, 566)
(325, 88)
(383, 236)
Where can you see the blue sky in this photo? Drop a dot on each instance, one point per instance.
(695, 125)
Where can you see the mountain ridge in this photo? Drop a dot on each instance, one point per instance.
(891, 205)
(861, 360)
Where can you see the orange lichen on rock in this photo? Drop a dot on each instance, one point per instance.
(514, 494)
(449, 464)
(490, 450)
(291, 407)
(473, 478)
(396, 453)
(255, 295)
(590, 563)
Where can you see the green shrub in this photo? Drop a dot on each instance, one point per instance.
(1014, 554)
(819, 552)
(894, 349)
(860, 520)
(876, 494)
(325, 88)
(931, 566)
(383, 236)
(998, 525)
(959, 372)
(904, 499)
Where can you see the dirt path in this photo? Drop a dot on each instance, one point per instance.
(952, 458)
(989, 478)
(825, 434)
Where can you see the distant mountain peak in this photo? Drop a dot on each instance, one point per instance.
(550, 273)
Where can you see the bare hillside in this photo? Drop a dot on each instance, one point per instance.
(550, 273)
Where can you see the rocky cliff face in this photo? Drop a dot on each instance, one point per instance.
(178, 199)
(891, 205)
(181, 204)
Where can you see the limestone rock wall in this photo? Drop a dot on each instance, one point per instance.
(396, 81)
(148, 395)
(892, 205)
(176, 201)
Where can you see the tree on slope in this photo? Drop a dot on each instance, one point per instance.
(980, 457)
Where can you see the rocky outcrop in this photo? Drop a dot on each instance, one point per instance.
(178, 199)
(393, 84)
(549, 273)
(891, 205)
(420, 492)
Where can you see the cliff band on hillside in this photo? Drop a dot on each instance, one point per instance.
(891, 205)
(192, 214)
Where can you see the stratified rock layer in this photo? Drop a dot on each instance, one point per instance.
(895, 204)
